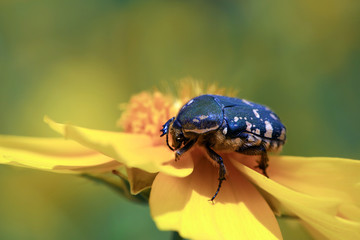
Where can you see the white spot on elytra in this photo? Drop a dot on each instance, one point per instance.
(240, 118)
(255, 111)
(282, 135)
(236, 119)
(248, 126)
(269, 129)
(200, 131)
(196, 120)
(257, 131)
(225, 131)
(247, 102)
(245, 118)
(273, 116)
(202, 117)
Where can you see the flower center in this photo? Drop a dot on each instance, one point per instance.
(147, 112)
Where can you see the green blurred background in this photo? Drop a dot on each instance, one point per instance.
(76, 60)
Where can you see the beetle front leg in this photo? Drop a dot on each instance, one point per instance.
(222, 170)
(184, 149)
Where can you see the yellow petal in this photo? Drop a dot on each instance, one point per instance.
(239, 211)
(320, 212)
(133, 150)
(324, 177)
(53, 154)
(318, 176)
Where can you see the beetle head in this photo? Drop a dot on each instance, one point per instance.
(173, 126)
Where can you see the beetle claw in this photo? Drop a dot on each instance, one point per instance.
(177, 156)
(262, 166)
(221, 179)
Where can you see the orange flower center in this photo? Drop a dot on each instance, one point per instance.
(147, 112)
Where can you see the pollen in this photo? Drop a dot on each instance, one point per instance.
(146, 112)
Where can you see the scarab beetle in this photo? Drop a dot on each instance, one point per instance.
(225, 123)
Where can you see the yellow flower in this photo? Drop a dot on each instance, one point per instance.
(53, 154)
(324, 193)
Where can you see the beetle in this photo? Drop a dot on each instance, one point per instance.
(221, 123)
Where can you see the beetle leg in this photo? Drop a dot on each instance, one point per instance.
(222, 170)
(185, 148)
(257, 150)
(263, 163)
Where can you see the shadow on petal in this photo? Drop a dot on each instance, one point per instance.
(182, 168)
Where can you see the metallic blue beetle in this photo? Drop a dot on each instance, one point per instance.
(225, 123)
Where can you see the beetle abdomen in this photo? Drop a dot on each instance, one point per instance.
(243, 141)
(244, 116)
